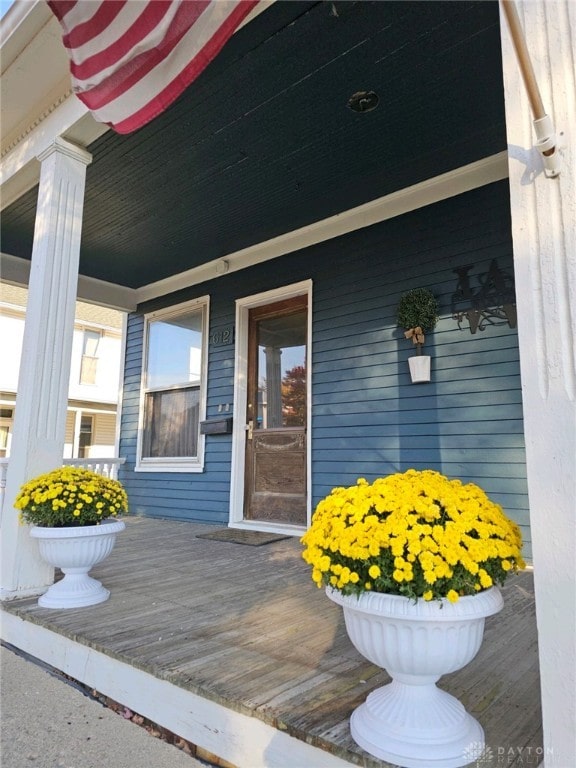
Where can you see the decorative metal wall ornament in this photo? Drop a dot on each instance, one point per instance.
(492, 303)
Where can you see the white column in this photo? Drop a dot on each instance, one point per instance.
(543, 229)
(40, 417)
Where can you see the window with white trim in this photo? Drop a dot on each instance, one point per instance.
(6, 425)
(88, 366)
(174, 384)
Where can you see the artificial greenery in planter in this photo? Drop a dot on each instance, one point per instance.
(417, 314)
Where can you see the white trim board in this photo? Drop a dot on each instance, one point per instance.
(243, 306)
(451, 184)
(191, 464)
(244, 741)
(16, 271)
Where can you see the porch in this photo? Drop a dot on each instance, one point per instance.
(233, 648)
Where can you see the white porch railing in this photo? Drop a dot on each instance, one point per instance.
(107, 467)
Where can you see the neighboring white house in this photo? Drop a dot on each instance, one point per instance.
(94, 376)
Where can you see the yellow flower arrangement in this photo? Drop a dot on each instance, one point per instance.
(70, 496)
(417, 534)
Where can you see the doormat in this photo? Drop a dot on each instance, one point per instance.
(238, 536)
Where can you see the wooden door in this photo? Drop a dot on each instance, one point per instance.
(275, 481)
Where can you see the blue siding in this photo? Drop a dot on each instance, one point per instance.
(368, 418)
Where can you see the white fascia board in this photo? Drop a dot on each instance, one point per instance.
(16, 271)
(106, 294)
(235, 737)
(451, 184)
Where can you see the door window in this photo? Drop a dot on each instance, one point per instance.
(282, 371)
(275, 488)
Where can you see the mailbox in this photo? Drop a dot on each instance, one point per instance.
(222, 425)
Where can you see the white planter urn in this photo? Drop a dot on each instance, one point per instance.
(75, 550)
(410, 722)
(419, 368)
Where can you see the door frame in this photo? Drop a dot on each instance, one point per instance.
(243, 306)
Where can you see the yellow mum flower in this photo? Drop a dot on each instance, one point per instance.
(69, 496)
(345, 575)
(485, 579)
(422, 528)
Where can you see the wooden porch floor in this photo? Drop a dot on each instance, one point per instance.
(246, 628)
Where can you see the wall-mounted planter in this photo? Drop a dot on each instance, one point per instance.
(419, 368)
(418, 314)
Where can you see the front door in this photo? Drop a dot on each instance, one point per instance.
(275, 484)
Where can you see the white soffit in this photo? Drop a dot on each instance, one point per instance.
(34, 66)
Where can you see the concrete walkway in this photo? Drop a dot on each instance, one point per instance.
(47, 723)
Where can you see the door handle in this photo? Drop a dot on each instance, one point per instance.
(249, 429)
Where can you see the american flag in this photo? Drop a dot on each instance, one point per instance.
(130, 59)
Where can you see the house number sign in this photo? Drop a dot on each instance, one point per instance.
(222, 336)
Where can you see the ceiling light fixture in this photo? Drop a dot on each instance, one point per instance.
(363, 101)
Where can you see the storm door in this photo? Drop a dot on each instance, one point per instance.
(275, 481)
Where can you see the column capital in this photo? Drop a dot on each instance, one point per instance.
(65, 147)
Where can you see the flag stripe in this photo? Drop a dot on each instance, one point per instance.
(150, 36)
(140, 86)
(130, 60)
(145, 108)
(85, 26)
(129, 74)
(62, 8)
